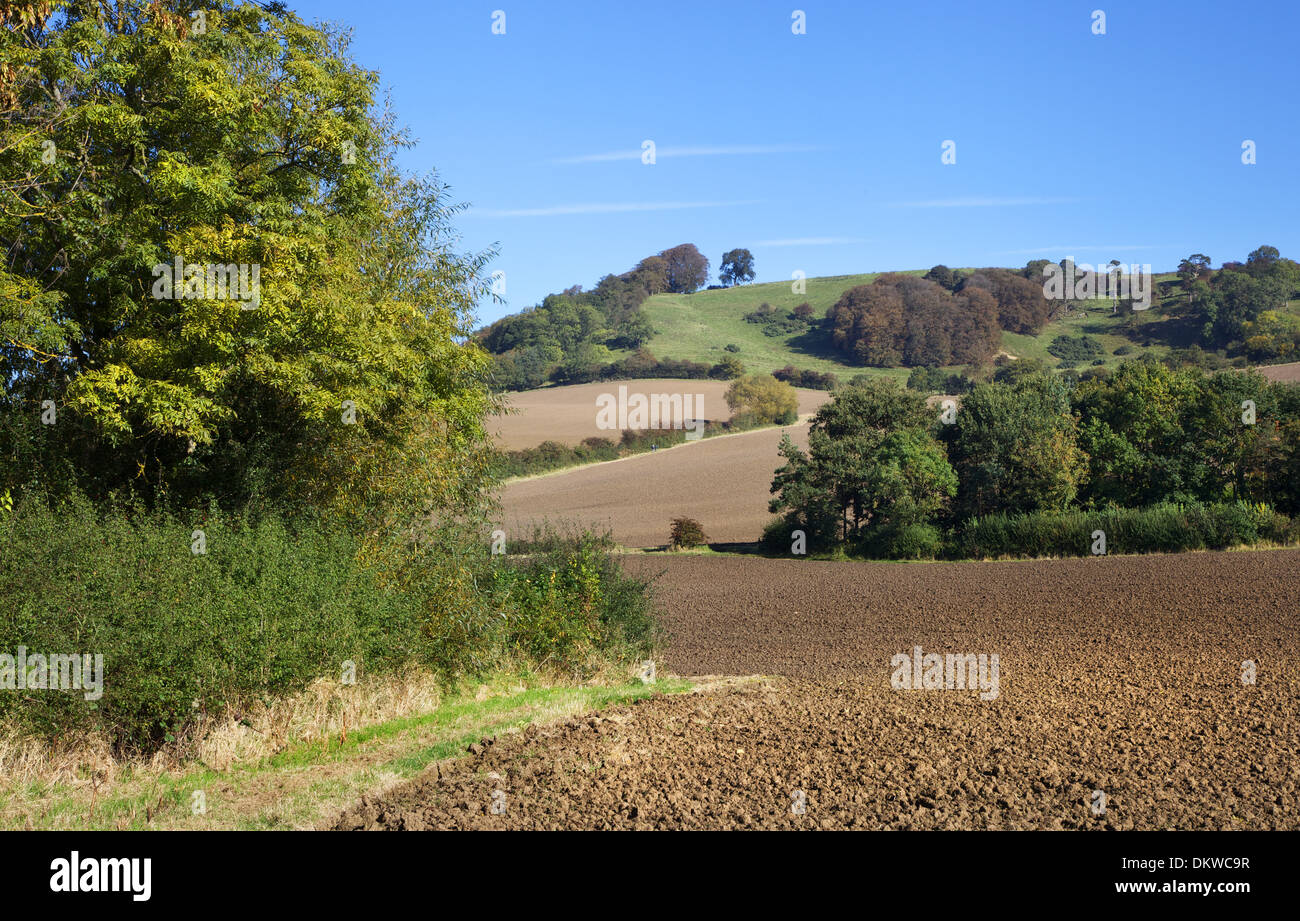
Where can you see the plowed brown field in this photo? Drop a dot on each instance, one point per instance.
(568, 414)
(721, 482)
(1287, 373)
(1118, 675)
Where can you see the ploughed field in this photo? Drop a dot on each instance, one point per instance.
(721, 482)
(1122, 675)
(1285, 373)
(568, 414)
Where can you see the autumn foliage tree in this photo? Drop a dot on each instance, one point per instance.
(685, 268)
(904, 320)
(763, 398)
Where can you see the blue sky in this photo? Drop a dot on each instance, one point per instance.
(822, 152)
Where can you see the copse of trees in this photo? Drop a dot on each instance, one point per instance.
(1022, 306)
(570, 337)
(1015, 448)
(1029, 455)
(1240, 305)
(874, 471)
(904, 320)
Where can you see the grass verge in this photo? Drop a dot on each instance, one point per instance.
(308, 783)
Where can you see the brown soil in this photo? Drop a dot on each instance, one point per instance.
(721, 482)
(568, 414)
(1118, 674)
(1288, 373)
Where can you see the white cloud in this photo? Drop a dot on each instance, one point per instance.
(812, 241)
(1072, 249)
(988, 202)
(668, 152)
(603, 208)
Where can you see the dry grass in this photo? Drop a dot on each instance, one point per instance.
(325, 710)
(295, 764)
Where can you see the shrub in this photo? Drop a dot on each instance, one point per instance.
(762, 399)
(813, 380)
(728, 369)
(1076, 349)
(686, 533)
(275, 603)
(1164, 528)
(933, 380)
(915, 542)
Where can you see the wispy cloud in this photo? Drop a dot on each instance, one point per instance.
(1073, 249)
(603, 208)
(812, 241)
(986, 202)
(662, 153)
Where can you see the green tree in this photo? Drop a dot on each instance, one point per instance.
(1191, 271)
(254, 141)
(873, 467)
(1015, 449)
(737, 267)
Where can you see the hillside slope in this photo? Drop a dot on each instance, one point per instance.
(699, 326)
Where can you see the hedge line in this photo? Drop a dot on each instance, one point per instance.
(271, 605)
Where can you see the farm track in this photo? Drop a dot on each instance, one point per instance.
(1119, 674)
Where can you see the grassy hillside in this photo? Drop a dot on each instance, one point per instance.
(699, 326)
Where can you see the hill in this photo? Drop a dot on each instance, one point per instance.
(698, 327)
(643, 325)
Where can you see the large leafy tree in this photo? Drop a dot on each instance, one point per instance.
(135, 134)
(873, 466)
(1015, 448)
(685, 269)
(737, 267)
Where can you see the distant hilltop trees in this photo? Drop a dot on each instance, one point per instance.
(946, 317)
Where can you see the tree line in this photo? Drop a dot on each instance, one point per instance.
(885, 472)
(572, 337)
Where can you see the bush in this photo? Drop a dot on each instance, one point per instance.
(933, 380)
(915, 542)
(1164, 528)
(571, 600)
(728, 369)
(761, 398)
(731, 347)
(275, 603)
(686, 533)
(1076, 349)
(271, 605)
(812, 380)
